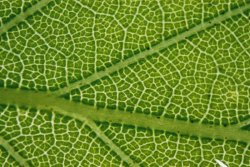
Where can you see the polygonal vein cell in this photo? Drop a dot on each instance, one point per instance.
(70, 40)
(45, 138)
(201, 79)
(154, 49)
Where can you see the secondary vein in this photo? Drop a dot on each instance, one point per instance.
(154, 49)
(12, 152)
(110, 143)
(22, 16)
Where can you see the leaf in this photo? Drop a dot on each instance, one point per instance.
(124, 83)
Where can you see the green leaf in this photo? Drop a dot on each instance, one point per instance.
(124, 83)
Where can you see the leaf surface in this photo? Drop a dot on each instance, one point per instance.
(124, 83)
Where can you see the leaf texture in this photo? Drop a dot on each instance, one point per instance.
(124, 83)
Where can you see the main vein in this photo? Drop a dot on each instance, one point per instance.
(22, 16)
(43, 100)
(13, 153)
(154, 49)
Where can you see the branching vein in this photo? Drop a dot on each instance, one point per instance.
(81, 112)
(154, 49)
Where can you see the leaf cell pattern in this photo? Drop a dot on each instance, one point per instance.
(6, 159)
(203, 78)
(181, 150)
(164, 60)
(48, 139)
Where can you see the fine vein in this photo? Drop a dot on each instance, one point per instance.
(153, 49)
(82, 112)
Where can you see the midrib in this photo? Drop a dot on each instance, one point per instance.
(154, 49)
(80, 111)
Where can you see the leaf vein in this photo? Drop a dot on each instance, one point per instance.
(154, 49)
(22, 16)
(13, 153)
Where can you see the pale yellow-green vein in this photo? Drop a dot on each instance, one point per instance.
(22, 16)
(81, 112)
